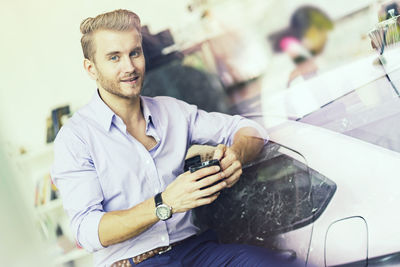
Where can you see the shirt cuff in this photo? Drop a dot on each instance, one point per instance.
(88, 232)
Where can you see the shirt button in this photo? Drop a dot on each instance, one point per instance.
(156, 191)
(147, 161)
(163, 238)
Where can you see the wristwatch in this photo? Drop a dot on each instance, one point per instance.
(163, 211)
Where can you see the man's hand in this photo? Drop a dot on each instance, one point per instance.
(184, 192)
(230, 162)
(247, 144)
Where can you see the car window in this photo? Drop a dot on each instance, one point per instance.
(276, 194)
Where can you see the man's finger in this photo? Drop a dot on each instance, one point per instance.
(232, 168)
(206, 200)
(233, 179)
(219, 152)
(228, 160)
(204, 172)
(207, 181)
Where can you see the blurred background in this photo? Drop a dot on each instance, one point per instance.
(231, 56)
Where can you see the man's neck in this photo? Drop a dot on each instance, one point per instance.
(128, 110)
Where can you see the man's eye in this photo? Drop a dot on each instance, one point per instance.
(135, 54)
(114, 58)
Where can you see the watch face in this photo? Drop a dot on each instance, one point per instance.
(163, 212)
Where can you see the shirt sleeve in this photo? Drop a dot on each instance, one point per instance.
(213, 128)
(74, 174)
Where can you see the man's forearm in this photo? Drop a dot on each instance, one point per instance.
(247, 143)
(121, 225)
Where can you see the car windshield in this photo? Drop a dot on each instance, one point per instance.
(370, 113)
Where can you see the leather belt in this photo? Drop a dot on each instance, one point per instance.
(144, 256)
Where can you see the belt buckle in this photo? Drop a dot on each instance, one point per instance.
(166, 250)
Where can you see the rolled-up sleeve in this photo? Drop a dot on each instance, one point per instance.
(217, 128)
(74, 174)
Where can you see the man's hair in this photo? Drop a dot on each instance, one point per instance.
(117, 20)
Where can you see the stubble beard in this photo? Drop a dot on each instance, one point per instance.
(114, 87)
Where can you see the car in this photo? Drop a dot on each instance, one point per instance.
(325, 189)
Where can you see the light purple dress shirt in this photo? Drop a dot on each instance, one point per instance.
(100, 167)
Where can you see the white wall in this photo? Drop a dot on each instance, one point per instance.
(41, 59)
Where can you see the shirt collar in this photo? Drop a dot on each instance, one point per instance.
(146, 110)
(104, 115)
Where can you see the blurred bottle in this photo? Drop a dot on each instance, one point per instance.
(293, 47)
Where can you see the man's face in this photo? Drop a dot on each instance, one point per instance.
(119, 63)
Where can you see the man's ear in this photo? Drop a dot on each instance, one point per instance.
(90, 68)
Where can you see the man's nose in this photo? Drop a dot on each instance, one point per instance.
(128, 65)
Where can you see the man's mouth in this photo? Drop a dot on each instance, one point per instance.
(130, 80)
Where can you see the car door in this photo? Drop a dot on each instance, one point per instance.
(273, 205)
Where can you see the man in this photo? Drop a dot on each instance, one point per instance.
(119, 161)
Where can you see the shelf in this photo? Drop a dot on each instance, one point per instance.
(72, 255)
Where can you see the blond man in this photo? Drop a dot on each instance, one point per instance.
(119, 161)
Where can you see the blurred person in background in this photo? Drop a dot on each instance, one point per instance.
(304, 39)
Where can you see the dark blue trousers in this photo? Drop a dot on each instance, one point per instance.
(204, 250)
